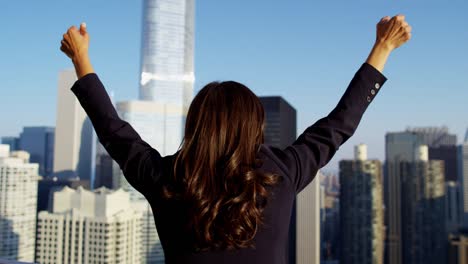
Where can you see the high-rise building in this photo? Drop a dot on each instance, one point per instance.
(18, 201)
(75, 139)
(399, 147)
(13, 142)
(361, 209)
(89, 227)
(462, 161)
(167, 64)
(414, 198)
(39, 143)
(104, 168)
(423, 226)
(453, 206)
(435, 136)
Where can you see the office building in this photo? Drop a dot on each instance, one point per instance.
(18, 201)
(13, 142)
(89, 227)
(75, 147)
(39, 143)
(167, 58)
(361, 209)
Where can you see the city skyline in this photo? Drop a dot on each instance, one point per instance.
(248, 44)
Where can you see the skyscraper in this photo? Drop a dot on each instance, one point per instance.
(423, 233)
(18, 201)
(399, 147)
(167, 67)
(39, 143)
(75, 146)
(361, 209)
(89, 227)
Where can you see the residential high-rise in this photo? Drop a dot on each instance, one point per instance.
(423, 226)
(39, 143)
(89, 227)
(75, 139)
(361, 209)
(18, 201)
(453, 206)
(167, 65)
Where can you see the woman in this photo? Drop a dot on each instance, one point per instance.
(224, 196)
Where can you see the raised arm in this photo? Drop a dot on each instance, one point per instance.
(316, 146)
(140, 163)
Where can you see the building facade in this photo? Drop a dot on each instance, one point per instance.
(39, 143)
(89, 227)
(75, 139)
(167, 58)
(361, 210)
(18, 201)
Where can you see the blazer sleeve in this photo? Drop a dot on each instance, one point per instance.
(316, 146)
(139, 162)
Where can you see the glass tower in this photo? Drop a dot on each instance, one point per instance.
(167, 74)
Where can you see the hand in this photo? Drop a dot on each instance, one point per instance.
(75, 42)
(75, 45)
(393, 32)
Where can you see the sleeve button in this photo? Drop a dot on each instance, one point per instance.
(368, 99)
(372, 91)
(377, 85)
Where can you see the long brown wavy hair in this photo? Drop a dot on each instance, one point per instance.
(215, 168)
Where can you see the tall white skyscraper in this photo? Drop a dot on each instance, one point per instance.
(18, 202)
(167, 67)
(89, 227)
(75, 138)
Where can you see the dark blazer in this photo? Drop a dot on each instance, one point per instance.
(146, 170)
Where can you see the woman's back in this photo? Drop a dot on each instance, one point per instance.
(148, 172)
(221, 175)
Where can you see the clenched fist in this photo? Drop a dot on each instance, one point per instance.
(393, 32)
(75, 42)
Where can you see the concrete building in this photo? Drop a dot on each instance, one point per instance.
(89, 227)
(39, 143)
(18, 201)
(361, 209)
(75, 146)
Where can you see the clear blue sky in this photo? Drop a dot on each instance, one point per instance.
(305, 51)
